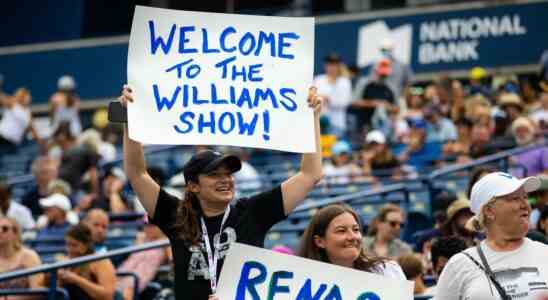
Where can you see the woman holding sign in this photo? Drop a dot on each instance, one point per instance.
(334, 235)
(203, 225)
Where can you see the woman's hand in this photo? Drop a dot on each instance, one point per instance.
(212, 297)
(66, 276)
(127, 95)
(315, 101)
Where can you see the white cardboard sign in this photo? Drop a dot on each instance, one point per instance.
(257, 274)
(221, 79)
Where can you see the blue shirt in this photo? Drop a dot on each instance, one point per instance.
(53, 231)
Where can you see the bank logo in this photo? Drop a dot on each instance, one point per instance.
(373, 35)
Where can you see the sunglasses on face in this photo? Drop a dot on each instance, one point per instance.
(5, 228)
(395, 224)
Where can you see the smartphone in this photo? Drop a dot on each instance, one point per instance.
(117, 113)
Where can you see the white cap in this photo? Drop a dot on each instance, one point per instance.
(375, 136)
(498, 184)
(57, 200)
(66, 82)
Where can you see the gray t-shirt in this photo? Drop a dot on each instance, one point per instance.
(523, 273)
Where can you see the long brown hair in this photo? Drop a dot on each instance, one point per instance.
(318, 227)
(186, 222)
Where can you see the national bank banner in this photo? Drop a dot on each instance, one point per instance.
(490, 36)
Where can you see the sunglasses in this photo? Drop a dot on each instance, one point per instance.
(395, 223)
(5, 228)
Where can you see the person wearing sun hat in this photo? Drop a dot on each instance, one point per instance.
(506, 265)
(458, 213)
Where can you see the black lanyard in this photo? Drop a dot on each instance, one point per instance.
(487, 270)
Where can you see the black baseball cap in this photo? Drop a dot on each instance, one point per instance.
(206, 161)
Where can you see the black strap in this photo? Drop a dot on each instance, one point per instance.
(487, 270)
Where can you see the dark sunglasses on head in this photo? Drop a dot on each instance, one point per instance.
(395, 223)
(5, 228)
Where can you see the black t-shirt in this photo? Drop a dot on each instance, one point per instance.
(248, 222)
(32, 200)
(378, 91)
(373, 91)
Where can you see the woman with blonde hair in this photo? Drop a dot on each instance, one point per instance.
(14, 256)
(334, 236)
(506, 265)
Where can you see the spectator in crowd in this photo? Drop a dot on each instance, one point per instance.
(478, 83)
(416, 151)
(341, 169)
(540, 116)
(336, 90)
(95, 280)
(77, 158)
(413, 269)
(15, 257)
(392, 125)
(443, 249)
(477, 109)
(499, 202)
(458, 213)
(375, 94)
(209, 191)
(484, 143)
(334, 235)
(401, 75)
(16, 121)
(65, 106)
(459, 149)
(415, 103)
(110, 198)
(439, 93)
(512, 108)
(438, 128)
(13, 209)
(377, 159)
(383, 235)
(539, 200)
(98, 221)
(56, 206)
(536, 160)
(144, 264)
(44, 169)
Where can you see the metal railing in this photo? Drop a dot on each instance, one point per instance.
(52, 268)
(502, 157)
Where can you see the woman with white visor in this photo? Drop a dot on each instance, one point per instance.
(506, 265)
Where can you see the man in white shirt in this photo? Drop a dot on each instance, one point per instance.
(14, 210)
(337, 90)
